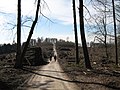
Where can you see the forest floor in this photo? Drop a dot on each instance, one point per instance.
(11, 78)
(103, 78)
(105, 75)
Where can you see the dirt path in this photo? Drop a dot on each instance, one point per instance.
(50, 77)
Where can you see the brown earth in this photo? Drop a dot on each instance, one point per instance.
(105, 75)
(49, 77)
(11, 78)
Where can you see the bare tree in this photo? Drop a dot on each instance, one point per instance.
(31, 30)
(75, 30)
(101, 20)
(101, 33)
(105, 29)
(84, 45)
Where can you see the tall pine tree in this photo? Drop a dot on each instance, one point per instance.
(75, 30)
(83, 39)
(18, 63)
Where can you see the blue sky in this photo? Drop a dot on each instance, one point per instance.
(59, 12)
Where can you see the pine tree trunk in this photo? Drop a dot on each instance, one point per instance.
(75, 30)
(114, 19)
(83, 39)
(18, 63)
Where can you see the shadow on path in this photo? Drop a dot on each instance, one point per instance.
(43, 85)
(71, 81)
(4, 86)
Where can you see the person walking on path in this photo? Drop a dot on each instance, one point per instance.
(55, 57)
(50, 57)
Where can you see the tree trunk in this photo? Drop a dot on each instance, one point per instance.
(105, 42)
(83, 39)
(18, 63)
(75, 30)
(114, 18)
(31, 31)
(105, 29)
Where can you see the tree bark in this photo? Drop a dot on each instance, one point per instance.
(83, 39)
(105, 29)
(18, 63)
(76, 36)
(115, 31)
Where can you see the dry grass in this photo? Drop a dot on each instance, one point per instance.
(11, 78)
(104, 76)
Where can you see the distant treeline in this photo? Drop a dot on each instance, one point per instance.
(68, 44)
(7, 48)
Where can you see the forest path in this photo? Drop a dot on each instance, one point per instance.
(50, 77)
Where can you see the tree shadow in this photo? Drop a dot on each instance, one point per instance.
(108, 73)
(43, 85)
(45, 70)
(4, 86)
(36, 84)
(71, 81)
